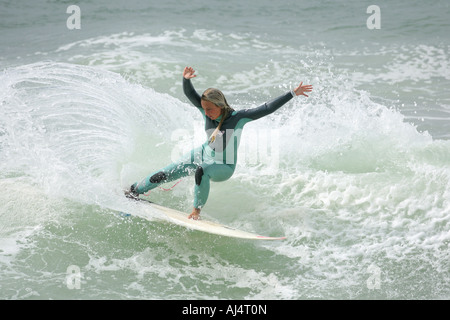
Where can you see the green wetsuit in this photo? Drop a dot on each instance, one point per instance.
(215, 160)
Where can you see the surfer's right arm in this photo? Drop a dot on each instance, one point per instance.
(188, 88)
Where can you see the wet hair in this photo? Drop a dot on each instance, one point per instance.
(216, 97)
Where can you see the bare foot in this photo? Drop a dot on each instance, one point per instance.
(195, 214)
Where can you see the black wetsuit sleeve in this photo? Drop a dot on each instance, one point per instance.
(190, 92)
(268, 107)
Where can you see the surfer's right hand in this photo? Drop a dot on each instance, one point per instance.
(189, 73)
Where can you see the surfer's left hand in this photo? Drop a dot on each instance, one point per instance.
(301, 89)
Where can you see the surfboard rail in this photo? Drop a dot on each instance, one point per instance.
(181, 218)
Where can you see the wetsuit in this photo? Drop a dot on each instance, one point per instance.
(215, 160)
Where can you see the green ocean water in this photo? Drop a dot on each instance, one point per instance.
(357, 176)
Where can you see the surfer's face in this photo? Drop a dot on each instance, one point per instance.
(211, 110)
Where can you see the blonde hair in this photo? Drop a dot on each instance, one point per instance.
(216, 97)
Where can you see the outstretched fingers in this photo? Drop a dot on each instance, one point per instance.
(301, 89)
(189, 73)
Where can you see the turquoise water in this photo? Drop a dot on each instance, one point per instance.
(357, 176)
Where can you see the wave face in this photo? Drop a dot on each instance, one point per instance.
(354, 188)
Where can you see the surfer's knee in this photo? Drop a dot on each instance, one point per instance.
(158, 177)
(198, 175)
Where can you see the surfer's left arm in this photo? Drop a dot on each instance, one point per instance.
(273, 105)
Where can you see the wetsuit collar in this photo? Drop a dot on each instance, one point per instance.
(229, 115)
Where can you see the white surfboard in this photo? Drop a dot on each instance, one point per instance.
(181, 218)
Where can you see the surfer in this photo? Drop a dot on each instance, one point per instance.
(216, 159)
